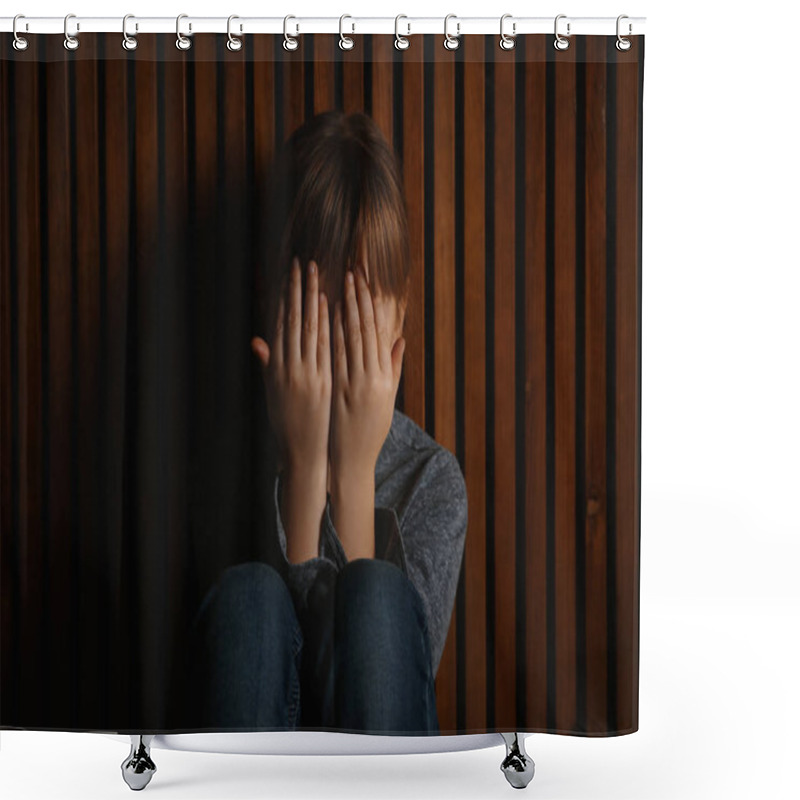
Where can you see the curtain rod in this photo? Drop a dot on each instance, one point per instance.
(406, 26)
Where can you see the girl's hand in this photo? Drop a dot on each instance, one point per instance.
(297, 373)
(297, 376)
(366, 374)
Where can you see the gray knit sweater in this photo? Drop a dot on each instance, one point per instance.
(420, 525)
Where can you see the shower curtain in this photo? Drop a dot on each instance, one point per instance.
(135, 234)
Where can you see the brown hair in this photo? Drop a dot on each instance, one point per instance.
(335, 192)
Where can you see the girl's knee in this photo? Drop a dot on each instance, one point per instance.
(371, 585)
(249, 587)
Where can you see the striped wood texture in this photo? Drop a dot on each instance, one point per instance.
(128, 190)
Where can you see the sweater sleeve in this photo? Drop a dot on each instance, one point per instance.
(433, 524)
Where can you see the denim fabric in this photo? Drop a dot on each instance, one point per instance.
(420, 526)
(356, 660)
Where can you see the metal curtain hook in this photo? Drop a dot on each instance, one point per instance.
(20, 43)
(182, 42)
(128, 42)
(234, 43)
(622, 43)
(345, 42)
(400, 42)
(507, 42)
(70, 42)
(289, 43)
(560, 43)
(451, 42)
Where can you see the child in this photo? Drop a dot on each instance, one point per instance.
(343, 626)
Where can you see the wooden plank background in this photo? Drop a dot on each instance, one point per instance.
(130, 187)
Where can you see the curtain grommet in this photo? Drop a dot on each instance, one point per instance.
(289, 42)
(622, 43)
(20, 42)
(507, 42)
(561, 42)
(128, 42)
(451, 42)
(234, 43)
(345, 42)
(401, 42)
(182, 42)
(70, 42)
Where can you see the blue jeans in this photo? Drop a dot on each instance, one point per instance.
(359, 662)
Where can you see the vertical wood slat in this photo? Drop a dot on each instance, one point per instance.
(9, 612)
(323, 66)
(28, 352)
(382, 98)
(202, 276)
(86, 188)
(64, 644)
(505, 435)
(172, 308)
(595, 376)
(145, 350)
(233, 289)
(564, 209)
(475, 381)
(294, 74)
(442, 349)
(584, 529)
(353, 77)
(118, 233)
(413, 181)
(536, 378)
(628, 382)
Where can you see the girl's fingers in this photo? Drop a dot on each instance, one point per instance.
(323, 337)
(352, 324)
(397, 360)
(367, 314)
(339, 347)
(261, 349)
(294, 314)
(310, 316)
(381, 332)
(279, 349)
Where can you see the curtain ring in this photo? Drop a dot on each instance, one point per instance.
(345, 42)
(507, 42)
(622, 43)
(560, 43)
(70, 42)
(289, 43)
(128, 42)
(182, 42)
(451, 42)
(234, 43)
(20, 42)
(400, 42)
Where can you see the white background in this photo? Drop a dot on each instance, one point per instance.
(720, 441)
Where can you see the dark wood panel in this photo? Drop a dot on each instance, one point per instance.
(536, 594)
(564, 377)
(117, 111)
(628, 383)
(503, 384)
(595, 386)
(475, 379)
(442, 350)
(414, 182)
(29, 373)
